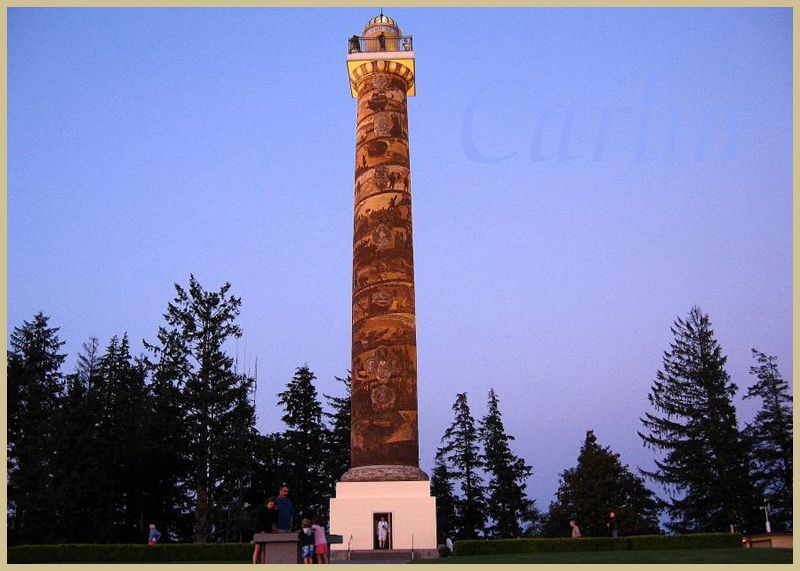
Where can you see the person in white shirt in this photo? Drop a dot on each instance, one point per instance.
(383, 533)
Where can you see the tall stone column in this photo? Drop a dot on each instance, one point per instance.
(384, 479)
(385, 442)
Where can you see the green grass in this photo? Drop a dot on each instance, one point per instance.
(735, 555)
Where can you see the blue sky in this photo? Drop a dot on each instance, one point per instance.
(581, 177)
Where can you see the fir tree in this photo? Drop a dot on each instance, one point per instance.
(770, 435)
(165, 433)
(705, 467)
(337, 454)
(115, 406)
(508, 508)
(75, 467)
(215, 400)
(597, 485)
(304, 444)
(461, 448)
(442, 489)
(35, 386)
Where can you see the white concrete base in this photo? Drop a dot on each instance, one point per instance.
(412, 507)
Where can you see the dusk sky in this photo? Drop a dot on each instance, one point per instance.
(580, 177)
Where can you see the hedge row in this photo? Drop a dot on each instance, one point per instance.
(129, 553)
(633, 543)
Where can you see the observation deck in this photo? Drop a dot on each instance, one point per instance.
(380, 46)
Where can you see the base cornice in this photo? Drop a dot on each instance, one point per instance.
(384, 473)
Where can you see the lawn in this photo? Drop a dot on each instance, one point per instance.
(735, 555)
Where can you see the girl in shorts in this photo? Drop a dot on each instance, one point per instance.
(320, 543)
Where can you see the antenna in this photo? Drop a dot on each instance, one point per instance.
(255, 382)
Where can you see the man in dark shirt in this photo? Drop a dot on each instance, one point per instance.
(285, 509)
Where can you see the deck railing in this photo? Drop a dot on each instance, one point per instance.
(360, 44)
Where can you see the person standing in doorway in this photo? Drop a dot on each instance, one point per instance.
(285, 509)
(383, 532)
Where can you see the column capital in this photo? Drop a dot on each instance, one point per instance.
(403, 68)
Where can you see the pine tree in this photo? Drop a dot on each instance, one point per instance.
(508, 507)
(215, 400)
(35, 386)
(770, 435)
(597, 485)
(304, 444)
(337, 449)
(705, 467)
(442, 489)
(461, 447)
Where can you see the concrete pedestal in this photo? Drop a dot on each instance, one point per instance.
(278, 547)
(412, 509)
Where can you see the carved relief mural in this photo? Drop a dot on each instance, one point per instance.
(384, 368)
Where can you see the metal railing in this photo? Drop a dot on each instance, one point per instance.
(361, 44)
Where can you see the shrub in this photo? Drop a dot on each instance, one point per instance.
(633, 543)
(688, 541)
(549, 545)
(129, 553)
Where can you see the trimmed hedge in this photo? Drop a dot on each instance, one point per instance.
(633, 543)
(688, 541)
(129, 553)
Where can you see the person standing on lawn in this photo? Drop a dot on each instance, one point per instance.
(576, 531)
(154, 536)
(612, 525)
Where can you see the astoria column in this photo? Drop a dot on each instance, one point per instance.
(384, 426)
(384, 441)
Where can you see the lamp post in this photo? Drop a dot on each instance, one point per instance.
(766, 507)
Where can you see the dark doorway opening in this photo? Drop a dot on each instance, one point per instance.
(382, 528)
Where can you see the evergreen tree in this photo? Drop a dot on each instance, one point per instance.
(705, 466)
(117, 447)
(304, 438)
(337, 453)
(461, 448)
(218, 414)
(597, 485)
(74, 467)
(770, 435)
(269, 469)
(165, 432)
(442, 489)
(508, 508)
(35, 387)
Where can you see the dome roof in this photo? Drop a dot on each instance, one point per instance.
(381, 19)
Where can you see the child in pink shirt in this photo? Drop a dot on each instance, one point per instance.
(320, 543)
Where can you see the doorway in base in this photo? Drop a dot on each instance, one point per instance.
(382, 519)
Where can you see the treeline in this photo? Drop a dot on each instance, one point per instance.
(167, 437)
(715, 476)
